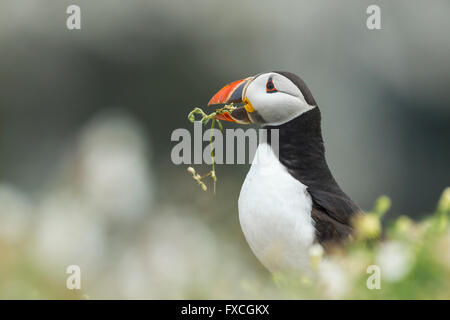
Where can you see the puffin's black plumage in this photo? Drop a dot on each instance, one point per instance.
(302, 152)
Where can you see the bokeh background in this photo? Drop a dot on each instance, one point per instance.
(86, 117)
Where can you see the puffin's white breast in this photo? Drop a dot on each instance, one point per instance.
(275, 214)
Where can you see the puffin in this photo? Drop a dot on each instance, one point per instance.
(289, 201)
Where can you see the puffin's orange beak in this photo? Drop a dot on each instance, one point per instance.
(233, 93)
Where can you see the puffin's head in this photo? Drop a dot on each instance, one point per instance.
(271, 98)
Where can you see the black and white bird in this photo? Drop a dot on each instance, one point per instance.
(291, 201)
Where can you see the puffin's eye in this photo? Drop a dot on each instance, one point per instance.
(270, 87)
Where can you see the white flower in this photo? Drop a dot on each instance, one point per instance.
(115, 176)
(67, 233)
(333, 279)
(395, 260)
(316, 254)
(15, 214)
(181, 253)
(127, 278)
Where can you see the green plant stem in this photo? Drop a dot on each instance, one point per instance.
(205, 118)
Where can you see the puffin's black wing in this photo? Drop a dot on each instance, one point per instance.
(332, 214)
(327, 229)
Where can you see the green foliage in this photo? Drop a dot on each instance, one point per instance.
(413, 260)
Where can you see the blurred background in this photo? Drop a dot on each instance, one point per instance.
(86, 117)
